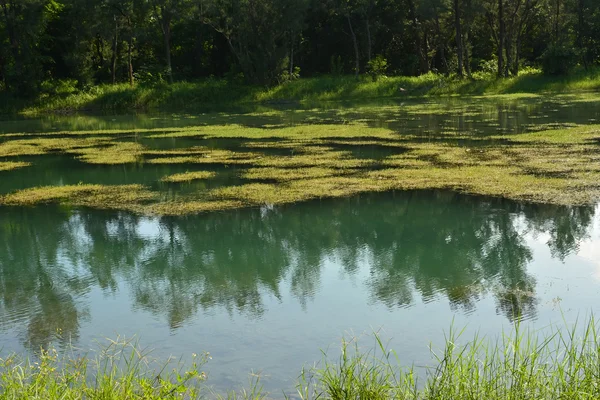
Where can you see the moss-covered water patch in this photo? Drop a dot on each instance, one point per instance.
(11, 165)
(189, 176)
(560, 165)
(127, 197)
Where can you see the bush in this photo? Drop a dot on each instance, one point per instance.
(59, 86)
(286, 76)
(559, 59)
(377, 67)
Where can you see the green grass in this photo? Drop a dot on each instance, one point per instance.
(564, 364)
(523, 365)
(215, 93)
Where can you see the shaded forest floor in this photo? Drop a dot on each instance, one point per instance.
(217, 93)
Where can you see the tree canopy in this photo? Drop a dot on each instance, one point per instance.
(267, 41)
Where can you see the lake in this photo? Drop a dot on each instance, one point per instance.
(266, 289)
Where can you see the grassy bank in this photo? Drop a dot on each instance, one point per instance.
(220, 93)
(521, 365)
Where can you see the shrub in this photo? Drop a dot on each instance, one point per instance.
(286, 76)
(377, 67)
(559, 59)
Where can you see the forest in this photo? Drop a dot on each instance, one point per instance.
(89, 42)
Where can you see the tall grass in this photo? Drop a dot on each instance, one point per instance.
(563, 364)
(121, 370)
(219, 93)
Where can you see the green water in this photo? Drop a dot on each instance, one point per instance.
(265, 289)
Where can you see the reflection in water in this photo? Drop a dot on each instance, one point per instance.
(474, 115)
(409, 246)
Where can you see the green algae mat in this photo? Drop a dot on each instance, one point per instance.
(528, 149)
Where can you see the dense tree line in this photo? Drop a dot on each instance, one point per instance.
(265, 41)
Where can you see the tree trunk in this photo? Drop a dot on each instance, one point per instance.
(130, 61)
(580, 28)
(369, 44)
(508, 43)
(292, 57)
(556, 24)
(355, 42)
(113, 64)
(467, 60)
(423, 61)
(167, 37)
(459, 40)
(441, 49)
(501, 38)
(515, 69)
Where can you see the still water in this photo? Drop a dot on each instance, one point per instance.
(266, 289)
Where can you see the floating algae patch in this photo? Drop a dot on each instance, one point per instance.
(225, 157)
(116, 153)
(40, 146)
(559, 165)
(302, 132)
(298, 190)
(189, 207)
(11, 165)
(288, 174)
(127, 197)
(189, 176)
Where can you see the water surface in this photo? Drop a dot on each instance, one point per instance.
(265, 289)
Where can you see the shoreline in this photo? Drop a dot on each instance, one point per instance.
(219, 93)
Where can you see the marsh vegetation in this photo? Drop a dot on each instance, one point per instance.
(321, 155)
(562, 363)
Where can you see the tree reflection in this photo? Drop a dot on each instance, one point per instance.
(414, 245)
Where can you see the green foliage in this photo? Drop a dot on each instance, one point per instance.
(377, 67)
(559, 59)
(97, 42)
(286, 76)
(212, 92)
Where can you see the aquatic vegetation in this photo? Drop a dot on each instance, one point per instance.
(288, 174)
(297, 132)
(120, 370)
(189, 207)
(116, 153)
(521, 364)
(556, 164)
(45, 145)
(209, 156)
(10, 165)
(127, 197)
(188, 176)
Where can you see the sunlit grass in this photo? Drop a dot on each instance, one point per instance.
(522, 364)
(120, 370)
(214, 92)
